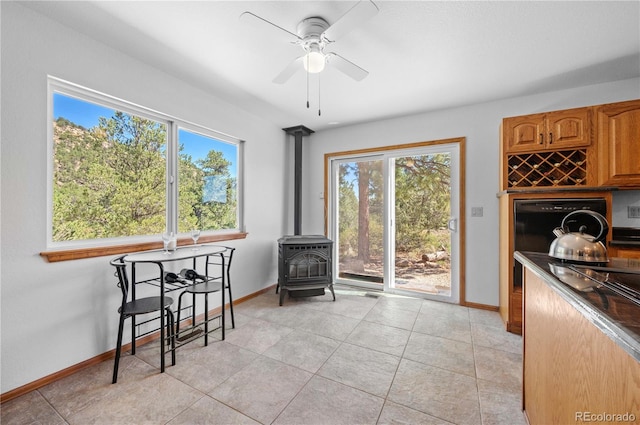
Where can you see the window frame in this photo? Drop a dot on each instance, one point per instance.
(59, 251)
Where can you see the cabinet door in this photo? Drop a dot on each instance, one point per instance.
(524, 133)
(568, 129)
(619, 144)
(628, 253)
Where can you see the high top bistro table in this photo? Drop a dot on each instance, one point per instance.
(159, 257)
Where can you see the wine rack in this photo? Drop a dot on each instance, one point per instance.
(547, 169)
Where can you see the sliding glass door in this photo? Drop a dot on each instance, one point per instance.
(394, 218)
(359, 221)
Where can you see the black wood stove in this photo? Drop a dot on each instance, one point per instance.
(305, 265)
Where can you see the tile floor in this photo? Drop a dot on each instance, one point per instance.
(368, 358)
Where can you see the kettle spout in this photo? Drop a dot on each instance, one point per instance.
(558, 231)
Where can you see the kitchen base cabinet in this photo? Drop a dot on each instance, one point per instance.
(572, 370)
(624, 252)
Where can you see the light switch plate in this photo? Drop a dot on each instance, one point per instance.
(476, 212)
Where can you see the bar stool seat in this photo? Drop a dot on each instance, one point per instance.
(203, 288)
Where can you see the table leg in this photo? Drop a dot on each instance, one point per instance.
(162, 319)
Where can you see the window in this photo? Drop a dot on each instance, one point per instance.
(120, 172)
(208, 193)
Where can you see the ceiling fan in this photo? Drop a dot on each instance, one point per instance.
(314, 34)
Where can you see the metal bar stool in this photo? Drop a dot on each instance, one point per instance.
(225, 262)
(130, 309)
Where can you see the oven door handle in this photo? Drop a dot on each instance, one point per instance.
(452, 224)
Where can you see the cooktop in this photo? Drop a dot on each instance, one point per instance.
(620, 275)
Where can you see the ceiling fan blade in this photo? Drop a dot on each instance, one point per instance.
(361, 12)
(288, 72)
(347, 67)
(251, 17)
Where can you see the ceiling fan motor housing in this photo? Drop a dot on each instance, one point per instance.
(310, 31)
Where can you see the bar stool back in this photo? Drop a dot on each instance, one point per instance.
(225, 263)
(130, 309)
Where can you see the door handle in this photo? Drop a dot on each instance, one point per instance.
(453, 224)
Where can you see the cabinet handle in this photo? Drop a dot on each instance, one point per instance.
(550, 138)
(541, 139)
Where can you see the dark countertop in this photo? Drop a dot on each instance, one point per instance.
(623, 244)
(613, 314)
(556, 189)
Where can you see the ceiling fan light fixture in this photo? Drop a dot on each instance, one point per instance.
(314, 62)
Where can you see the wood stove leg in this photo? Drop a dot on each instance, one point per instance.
(281, 296)
(332, 293)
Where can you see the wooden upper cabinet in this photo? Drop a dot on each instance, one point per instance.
(558, 130)
(524, 133)
(569, 129)
(618, 131)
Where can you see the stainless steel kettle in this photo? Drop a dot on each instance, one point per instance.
(580, 246)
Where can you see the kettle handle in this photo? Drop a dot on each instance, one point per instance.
(604, 226)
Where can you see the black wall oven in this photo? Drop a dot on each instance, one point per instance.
(535, 219)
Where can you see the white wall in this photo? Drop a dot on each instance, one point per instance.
(55, 315)
(619, 214)
(480, 124)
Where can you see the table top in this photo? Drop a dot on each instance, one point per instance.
(181, 253)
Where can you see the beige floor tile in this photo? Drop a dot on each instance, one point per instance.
(389, 315)
(443, 309)
(496, 337)
(498, 409)
(444, 353)
(436, 323)
(446, 395)
(361, 368)
(396, 414)
(203, 368)
(31, 408)
(400, 302)
(303, 349)
(511, 388)
(498, 366)
(486, 317)
(326, 324)
(258, 335)
(380, 337)
(142, 395)
(354, 306)
(262, 389)
(323, 402)
(209, 411)
(241, 319)
(285, 315)
(93, 385)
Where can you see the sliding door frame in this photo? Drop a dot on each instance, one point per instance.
(460, 141)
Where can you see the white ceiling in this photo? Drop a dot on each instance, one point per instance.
(421, 55)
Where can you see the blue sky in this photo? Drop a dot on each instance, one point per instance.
(86, 114)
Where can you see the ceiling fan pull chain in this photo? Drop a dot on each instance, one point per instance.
(319, 113)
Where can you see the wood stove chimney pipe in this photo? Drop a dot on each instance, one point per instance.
(298, 132)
